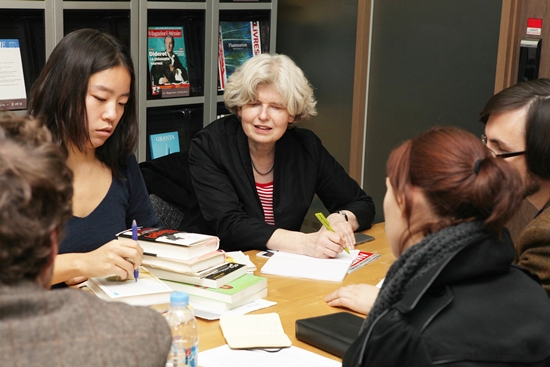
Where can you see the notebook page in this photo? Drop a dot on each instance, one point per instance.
(288, 357)
(302, 266)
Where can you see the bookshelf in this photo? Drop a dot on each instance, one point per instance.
(44, 22)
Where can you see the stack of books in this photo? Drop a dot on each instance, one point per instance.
(245, 289)
(193, 263)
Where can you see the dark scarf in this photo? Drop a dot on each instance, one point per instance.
(420, 258)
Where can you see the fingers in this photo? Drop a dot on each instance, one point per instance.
(357, 297)
(350, 240)
(345, 230)
(129, 257)
(332, 296)
(327, 246)
(76, 280)
(322, 244)
(339, 302)
(131, 251)
(339, 293)
(113, 258)
(340, 298)
(333, 242)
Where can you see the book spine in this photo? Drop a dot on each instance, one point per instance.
(213, 277)
(183, 278)
(221, 60)
(256, 40)
(319, 339)
(218, 293)
(199, 302)
(221, 271)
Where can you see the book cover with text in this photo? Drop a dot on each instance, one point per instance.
(167, 62)
(164, 144)
(171, 243)
(238, 42)
(12, 81)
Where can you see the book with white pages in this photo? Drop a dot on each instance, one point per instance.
(302, 266)
(220, 307)
(213, 277)
(147, 290)
(230, 293)
(171, 243)
(195, 265)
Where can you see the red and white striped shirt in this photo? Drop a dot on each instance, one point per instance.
(265, 192)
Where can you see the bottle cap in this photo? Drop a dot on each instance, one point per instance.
(179, 299)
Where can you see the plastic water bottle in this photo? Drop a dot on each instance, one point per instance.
(185, 337)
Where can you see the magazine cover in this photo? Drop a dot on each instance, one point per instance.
(167, 62)
(238, 41)
(12, 81)
(164, 144)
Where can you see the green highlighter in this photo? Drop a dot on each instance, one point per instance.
(325, 222)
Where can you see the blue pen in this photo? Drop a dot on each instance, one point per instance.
(135, 238)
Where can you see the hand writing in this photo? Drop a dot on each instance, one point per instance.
(112, 259)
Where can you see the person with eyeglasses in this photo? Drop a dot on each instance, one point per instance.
(517, 129)
(452, 297)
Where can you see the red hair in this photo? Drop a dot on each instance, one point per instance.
(442, 163)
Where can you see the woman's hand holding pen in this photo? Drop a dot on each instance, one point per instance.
(322, 244)
(343, 227)
(113, 259)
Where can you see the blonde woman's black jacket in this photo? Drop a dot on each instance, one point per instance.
(472, 309)
(230, 208)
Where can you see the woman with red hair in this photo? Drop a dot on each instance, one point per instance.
(452, 296)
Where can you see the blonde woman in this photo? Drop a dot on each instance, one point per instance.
(255, 173)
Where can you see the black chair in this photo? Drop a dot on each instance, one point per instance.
(169, 185)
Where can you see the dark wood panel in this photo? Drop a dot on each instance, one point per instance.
(432, 63)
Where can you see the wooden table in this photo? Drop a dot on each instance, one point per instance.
(299, 298)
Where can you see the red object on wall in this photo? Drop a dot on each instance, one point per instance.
(534, 26)
(534, 23)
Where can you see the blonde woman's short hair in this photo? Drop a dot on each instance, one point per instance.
(276, 70)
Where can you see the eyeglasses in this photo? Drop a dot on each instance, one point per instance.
(501, 155)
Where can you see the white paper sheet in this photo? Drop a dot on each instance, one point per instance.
(302, 266)
(208, 313)
(288, 357)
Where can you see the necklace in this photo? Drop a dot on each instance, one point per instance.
(262, 173)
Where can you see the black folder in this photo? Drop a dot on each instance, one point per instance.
(332, 333)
